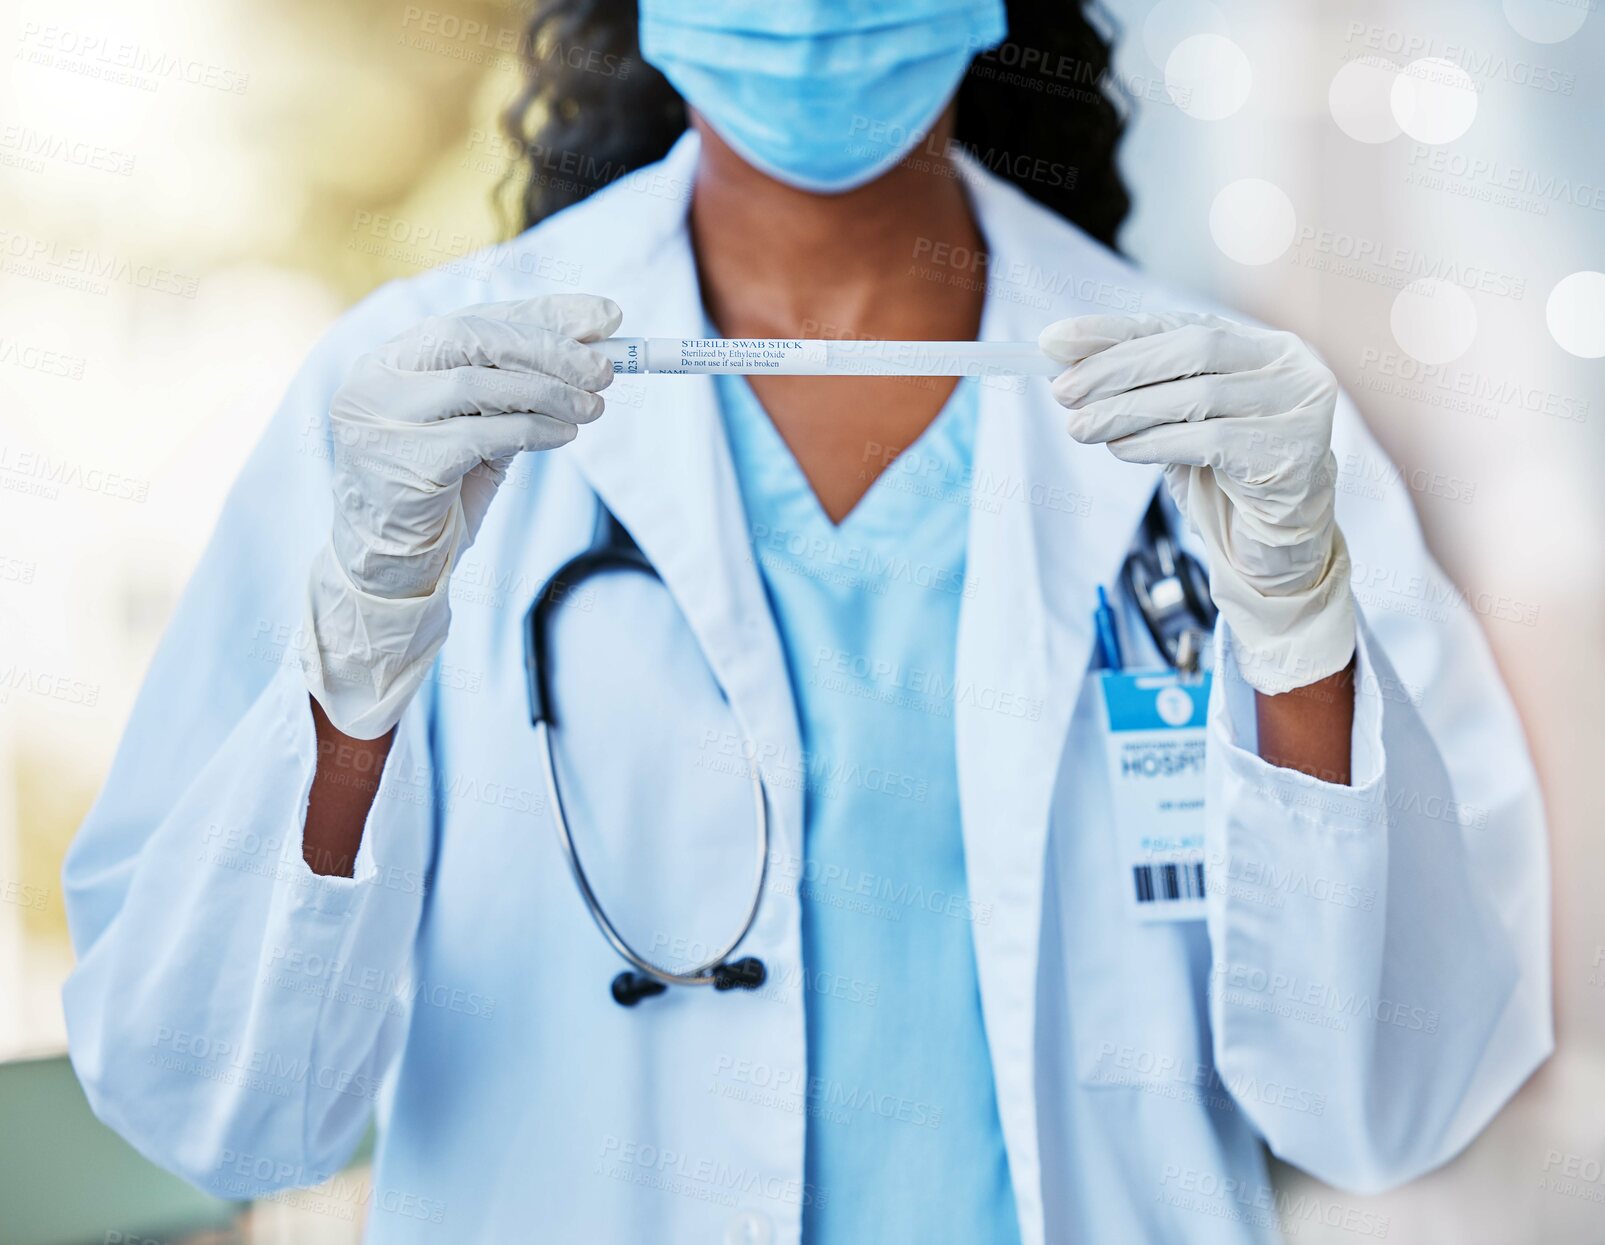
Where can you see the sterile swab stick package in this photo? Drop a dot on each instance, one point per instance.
(801, 357)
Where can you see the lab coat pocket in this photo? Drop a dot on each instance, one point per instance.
(1135, 991)
(1138, 1013)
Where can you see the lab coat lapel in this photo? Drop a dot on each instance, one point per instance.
(659, 460)
(1051, 520)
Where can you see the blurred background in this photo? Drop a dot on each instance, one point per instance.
(190, 193)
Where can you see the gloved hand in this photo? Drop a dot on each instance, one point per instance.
(424, 429)
(1242, 419)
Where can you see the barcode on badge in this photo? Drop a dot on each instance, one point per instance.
(1168, 882)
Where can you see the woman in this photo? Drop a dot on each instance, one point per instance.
(289, 907)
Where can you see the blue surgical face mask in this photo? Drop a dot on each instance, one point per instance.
(824, 95)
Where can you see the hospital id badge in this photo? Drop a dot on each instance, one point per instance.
(1154, 742)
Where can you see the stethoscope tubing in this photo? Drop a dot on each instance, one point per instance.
(703, 974)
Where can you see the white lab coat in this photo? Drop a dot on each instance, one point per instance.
(1369, 988)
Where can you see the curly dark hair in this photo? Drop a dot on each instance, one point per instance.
(1041, 110)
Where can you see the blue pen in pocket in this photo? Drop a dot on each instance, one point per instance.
(1103, 619)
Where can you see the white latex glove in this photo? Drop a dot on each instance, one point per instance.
(1242, 419)
(424, 429)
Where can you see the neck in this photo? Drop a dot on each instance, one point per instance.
(779, 262)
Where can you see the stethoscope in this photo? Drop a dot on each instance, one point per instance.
(612, 550)
(1167, 584)
(1170, 589)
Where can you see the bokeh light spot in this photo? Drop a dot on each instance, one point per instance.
(1361, 99)
(1208, 77)
(1434, 100)
(1546, 21)
(1252, 221)
(1575, 314)
(1433, 321)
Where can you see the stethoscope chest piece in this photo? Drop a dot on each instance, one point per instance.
(748, 973)
(630, 987)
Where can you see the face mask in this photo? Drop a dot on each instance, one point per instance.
(824, 95)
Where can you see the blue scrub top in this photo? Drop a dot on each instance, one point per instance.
(903, 1137)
